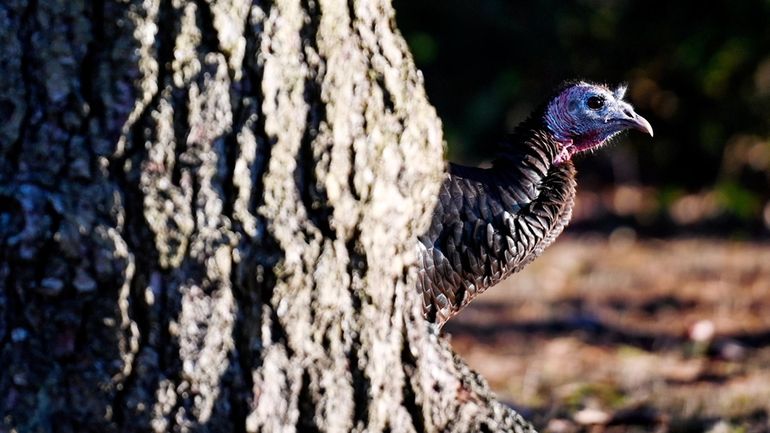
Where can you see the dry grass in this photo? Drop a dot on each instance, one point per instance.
(622, 335)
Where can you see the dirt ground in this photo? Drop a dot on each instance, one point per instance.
(614, 334)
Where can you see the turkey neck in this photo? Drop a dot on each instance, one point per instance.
(525, 164)
(523, 181)
(532, 145)
(508, 214)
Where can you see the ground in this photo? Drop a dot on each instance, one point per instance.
(615, 334)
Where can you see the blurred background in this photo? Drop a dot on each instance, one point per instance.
(652, 311)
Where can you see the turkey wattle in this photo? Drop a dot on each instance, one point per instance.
(489, 223)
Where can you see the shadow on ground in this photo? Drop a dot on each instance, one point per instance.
(600, 336)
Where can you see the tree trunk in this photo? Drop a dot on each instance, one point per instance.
(208, 213)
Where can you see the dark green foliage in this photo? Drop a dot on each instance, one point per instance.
(699, 72)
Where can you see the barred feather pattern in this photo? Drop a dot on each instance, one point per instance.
(490, 223)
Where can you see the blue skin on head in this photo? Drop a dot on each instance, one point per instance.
(584, 116)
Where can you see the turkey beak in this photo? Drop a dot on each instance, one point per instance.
(633, 120)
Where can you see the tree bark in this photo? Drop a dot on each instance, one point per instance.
(208, 213)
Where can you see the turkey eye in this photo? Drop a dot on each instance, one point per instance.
(595, 102)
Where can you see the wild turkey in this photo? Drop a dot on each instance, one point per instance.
(489, 223)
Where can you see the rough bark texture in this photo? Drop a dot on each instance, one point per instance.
(207, 222)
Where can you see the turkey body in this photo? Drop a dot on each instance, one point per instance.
(490, 223)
